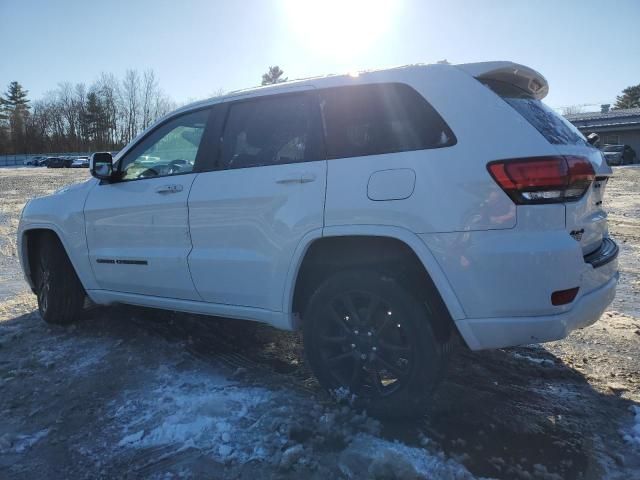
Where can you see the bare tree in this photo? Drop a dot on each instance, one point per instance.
(104, 116)
(150, 92)
(79, 104)
(66, 104)
(218, 92)
(572, 110)
(162, 106)
(130, 99)
(109, 93)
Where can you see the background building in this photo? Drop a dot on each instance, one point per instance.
(619, 127)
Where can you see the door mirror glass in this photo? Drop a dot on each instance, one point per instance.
(101, 165)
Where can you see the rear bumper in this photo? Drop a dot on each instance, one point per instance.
(606, 253)
(482, 333)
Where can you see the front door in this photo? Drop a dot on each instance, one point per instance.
(248, 216)
(138, 227)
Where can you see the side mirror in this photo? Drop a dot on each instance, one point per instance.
(101, 165)
(593, 139)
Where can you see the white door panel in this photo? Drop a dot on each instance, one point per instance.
(245, 226)
(138, 236)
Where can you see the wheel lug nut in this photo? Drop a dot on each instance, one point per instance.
(375, 349)
(369, 333)
(356, 332)
(363, 356)
(353, 345)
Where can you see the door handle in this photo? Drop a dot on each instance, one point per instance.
(169, 189)
(298, 178)
(307, 177)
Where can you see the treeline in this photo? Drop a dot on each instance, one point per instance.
(105, 115)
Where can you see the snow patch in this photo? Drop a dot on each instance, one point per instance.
(192, 410)
(372, 457)
(539, 361)
(21, 443)
(235, 424)
(133, 438)
(73, 355)
(343, 395)
(632, 434)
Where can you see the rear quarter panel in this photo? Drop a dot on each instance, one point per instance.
(453, 190)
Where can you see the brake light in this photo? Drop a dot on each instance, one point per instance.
(543, 179)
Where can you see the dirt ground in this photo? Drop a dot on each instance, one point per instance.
(136, 393)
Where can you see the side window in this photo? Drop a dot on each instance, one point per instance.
(380, 118)
(271, 131)
(169, 150)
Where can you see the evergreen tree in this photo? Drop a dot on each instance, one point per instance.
(16, 109)
(274, 75)
(630, 98)
(95, 117)
(4, 127)
(16, 97)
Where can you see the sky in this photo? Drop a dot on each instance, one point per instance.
(588, 50)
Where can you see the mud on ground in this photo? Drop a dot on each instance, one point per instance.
(136, 393)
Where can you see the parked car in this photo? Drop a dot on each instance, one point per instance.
(80, 162)
(619, 154)
(33, 161)
(55, 162)
(383, 215)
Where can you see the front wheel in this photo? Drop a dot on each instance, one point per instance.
(366, 336)
(60, 293)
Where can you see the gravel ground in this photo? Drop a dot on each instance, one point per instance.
(136, 393)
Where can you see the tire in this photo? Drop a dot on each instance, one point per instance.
(60, 293)
(366, 336)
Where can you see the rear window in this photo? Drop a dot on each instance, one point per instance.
(553, 126)
(613, 148)
(380, 118)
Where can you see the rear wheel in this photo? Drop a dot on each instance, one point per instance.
(60, 293)
(366, 336)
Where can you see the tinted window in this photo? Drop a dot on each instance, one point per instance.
(613, 148)
(171, 149)
(270, 131)
(380, 118)
(553, 126)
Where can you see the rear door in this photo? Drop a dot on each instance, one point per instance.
(263, 195)
(138, 228)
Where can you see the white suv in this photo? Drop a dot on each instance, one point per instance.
(384, 214)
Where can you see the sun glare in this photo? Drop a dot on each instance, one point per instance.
(340, 29)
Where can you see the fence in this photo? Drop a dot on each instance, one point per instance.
(19, 158)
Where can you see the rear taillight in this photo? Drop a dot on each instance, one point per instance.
(543, 179)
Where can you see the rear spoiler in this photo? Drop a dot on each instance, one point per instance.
(519, 75)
